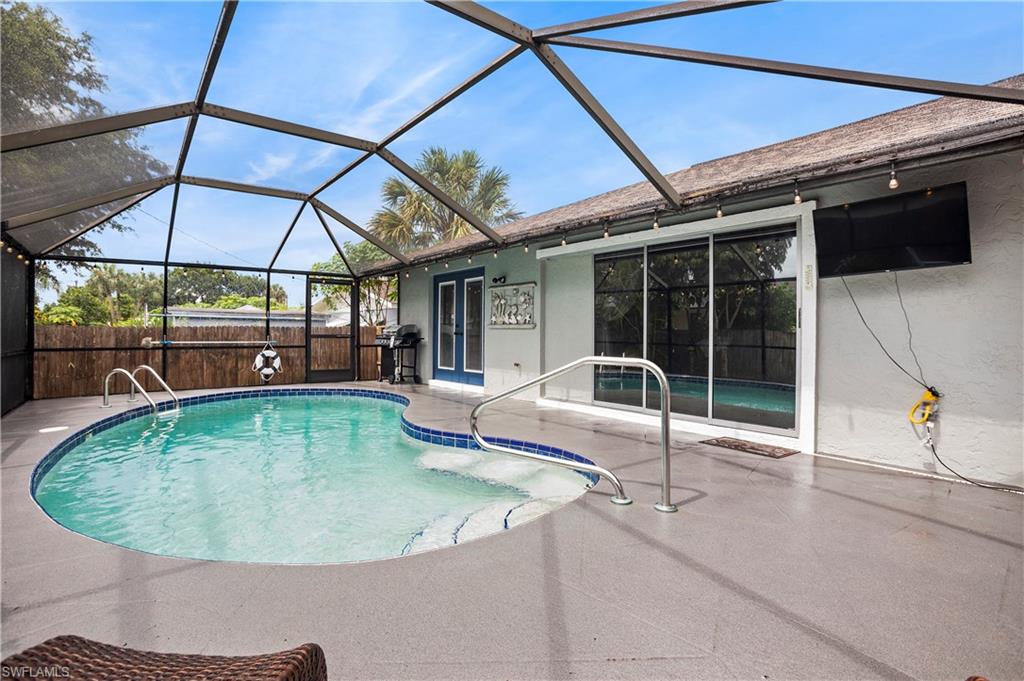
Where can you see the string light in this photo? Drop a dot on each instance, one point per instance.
(605, 235)
(407, 274)
(718, 211)
(894, 182)
(656, 225)
(20, 256)
(2, 243)
(426, 268)
(563, 240)
(26, 261)
(446, 264)
(10, 250)
(470, 260)
(526, 248)
(495, 253)
(796, 192)
(928, 192)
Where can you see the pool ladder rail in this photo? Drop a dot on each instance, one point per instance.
(665, 505)
(136, 386)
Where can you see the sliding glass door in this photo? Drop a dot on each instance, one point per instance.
(677, 325)
(619, 325)
(755, 316)
(718, 314)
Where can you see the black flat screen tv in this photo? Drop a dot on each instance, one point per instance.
(927, 228)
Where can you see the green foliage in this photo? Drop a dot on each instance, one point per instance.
(91, 309)
(233, 301)
(412, 219)
(67, 315)
(49, 75)
(376, 295)
(206, 286)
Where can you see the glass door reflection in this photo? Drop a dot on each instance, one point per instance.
(755, 329)
(677, 325)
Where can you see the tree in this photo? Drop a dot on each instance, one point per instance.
(48, 75)
(377, 295)
(66, 315)
(91, 310)
(190, 285)
(412, 219)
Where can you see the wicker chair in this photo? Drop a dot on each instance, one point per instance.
(85, 659)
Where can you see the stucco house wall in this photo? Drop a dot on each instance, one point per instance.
(968, 324)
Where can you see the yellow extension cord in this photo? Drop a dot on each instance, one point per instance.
(924, 408)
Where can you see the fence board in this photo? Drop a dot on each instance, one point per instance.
(77, 373)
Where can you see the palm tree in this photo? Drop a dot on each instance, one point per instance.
(412, 219)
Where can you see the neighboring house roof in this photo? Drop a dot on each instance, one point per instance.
(931, 128)
(244, 312)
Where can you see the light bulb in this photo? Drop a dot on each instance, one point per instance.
(796, 193)
(426, 268)
(2, 244)
(495, 254)
(446, 264)
(26, 261)
(605, 235)
(656, 225)
(719, 212)
(563, 240)
(470, 260)
(407, 274)
(10, 250)
(526, 248)
(20, 256)
(894, 182)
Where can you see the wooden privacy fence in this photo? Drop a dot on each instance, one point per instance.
(63, 366)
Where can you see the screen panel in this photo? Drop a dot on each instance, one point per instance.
(55, 174)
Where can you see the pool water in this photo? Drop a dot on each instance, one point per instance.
(296, 479)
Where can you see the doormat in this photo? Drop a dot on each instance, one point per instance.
(750, 447)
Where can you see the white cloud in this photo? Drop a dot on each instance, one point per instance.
(270, 165)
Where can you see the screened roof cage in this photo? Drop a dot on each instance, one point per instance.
(57, 188)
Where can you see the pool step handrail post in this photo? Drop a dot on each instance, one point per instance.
(161, 381)
(134, 383)
(665, 505)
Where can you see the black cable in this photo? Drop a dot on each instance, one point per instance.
(892, 359)
(922, 382)
(1002, 488)
(910, 331)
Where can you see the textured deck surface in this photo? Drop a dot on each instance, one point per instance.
(802, 567)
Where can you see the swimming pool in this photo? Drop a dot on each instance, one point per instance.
(290, 476)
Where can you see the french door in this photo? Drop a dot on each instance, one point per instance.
(718, 314)
(332, 318)
(459, 327)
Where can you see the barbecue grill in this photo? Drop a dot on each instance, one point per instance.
(398, 339)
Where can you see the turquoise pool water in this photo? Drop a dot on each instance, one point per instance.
(297, 479)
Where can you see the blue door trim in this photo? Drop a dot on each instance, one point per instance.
(459, 373)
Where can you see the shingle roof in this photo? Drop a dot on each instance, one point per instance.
(936, 126)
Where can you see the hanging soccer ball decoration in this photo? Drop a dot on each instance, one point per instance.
(267, 363)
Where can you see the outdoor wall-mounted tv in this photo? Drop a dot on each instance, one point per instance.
(927, 228)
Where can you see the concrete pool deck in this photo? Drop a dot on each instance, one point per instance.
(802, 568)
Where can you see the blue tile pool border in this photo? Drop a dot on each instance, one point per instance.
(416, 432)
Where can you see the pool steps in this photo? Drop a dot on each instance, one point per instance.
(548, 488)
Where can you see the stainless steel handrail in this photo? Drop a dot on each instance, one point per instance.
(163, 384)
(135, 384)
(665, 505)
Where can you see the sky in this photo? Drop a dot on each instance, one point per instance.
(364, 68)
